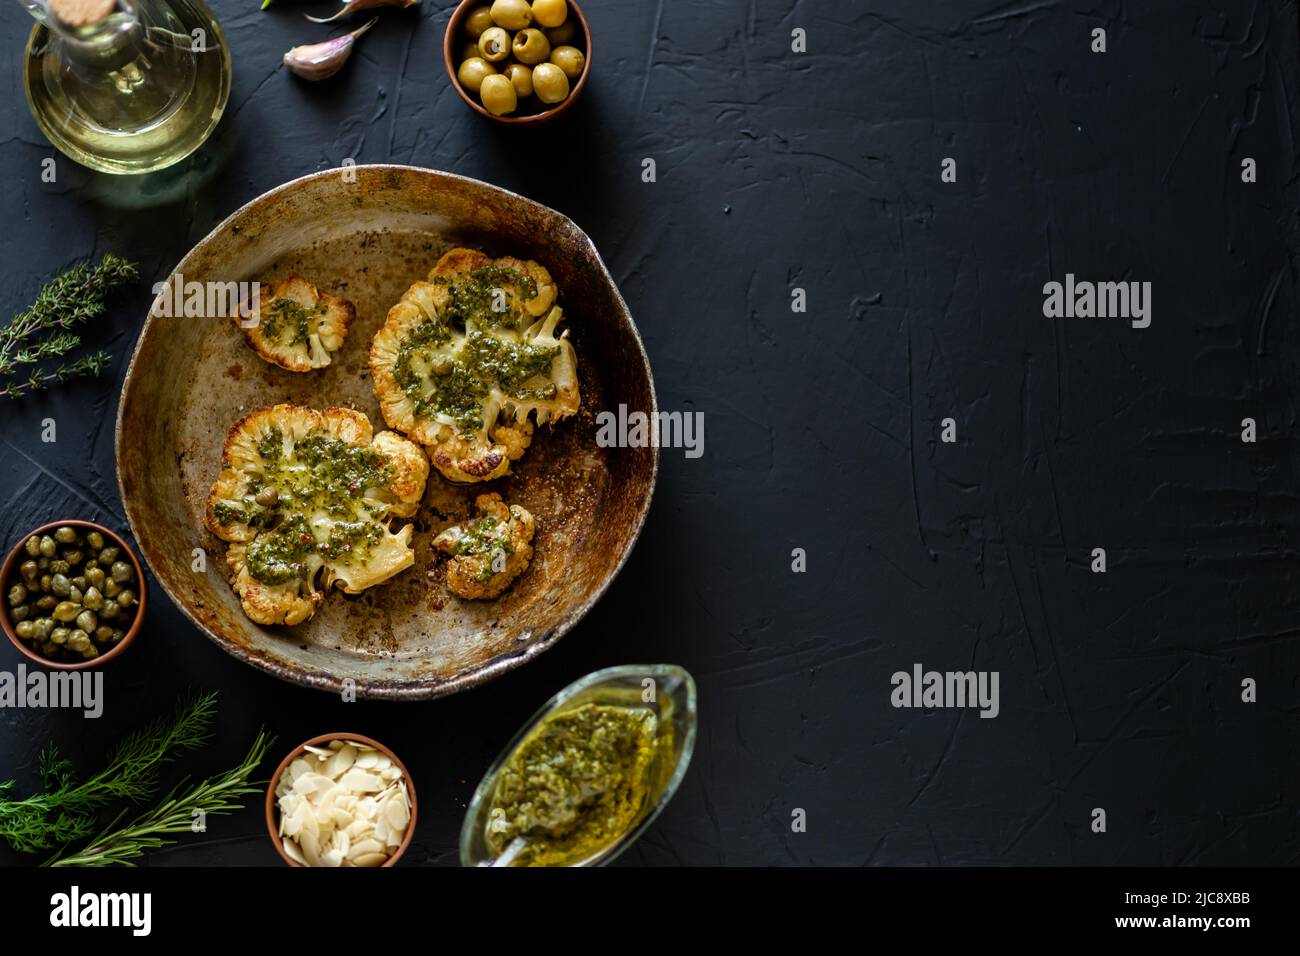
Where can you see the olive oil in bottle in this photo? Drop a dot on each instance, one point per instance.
(126, 86)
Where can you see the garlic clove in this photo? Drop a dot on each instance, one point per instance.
(356, 6)
(320, 61)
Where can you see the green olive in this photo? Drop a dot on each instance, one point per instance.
(468, 50)
(570, 60)
(521, 77)
(478, 20)
(494, 45)
(512, 14)
(65, 535)
(498, 96)
(566, 32)
(549, 83)
(550, 13)
(530, 46)
(95, 540)
(66, 611)
(473, 71)
(17, 595)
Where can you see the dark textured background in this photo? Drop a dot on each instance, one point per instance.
(822, 171)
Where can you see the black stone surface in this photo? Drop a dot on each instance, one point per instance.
(822, 171)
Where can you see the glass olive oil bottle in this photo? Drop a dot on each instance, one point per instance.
(126, 86)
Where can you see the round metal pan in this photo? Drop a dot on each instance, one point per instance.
(366, 233)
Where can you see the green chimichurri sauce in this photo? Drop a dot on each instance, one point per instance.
(289, 321)
(576, 784)
(322, 473)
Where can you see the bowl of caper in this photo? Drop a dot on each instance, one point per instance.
(74, 595)
(516, 61)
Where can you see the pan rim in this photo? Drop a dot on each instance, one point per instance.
(398, 689)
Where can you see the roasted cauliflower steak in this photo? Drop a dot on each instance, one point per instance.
(469, 361)
(305, 499)
(295, 325)
(488, 551)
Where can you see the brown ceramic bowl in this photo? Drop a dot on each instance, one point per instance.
(455, 38)
(273, 812)
(10, 570)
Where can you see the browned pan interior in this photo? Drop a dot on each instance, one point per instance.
(367, 240)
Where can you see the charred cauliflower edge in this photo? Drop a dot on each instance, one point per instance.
(440, 360)
(488, 551)
(303, 493)
(297, 326)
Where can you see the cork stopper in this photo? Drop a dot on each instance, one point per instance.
(81, 13)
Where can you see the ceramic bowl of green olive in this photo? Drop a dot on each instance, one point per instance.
(518, 61)
(74, 595)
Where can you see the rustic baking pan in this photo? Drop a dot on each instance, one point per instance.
(366, 233)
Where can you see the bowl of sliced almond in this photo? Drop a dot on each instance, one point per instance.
(341, 800)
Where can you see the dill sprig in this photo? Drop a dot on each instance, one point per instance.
(44, 331)
(175, 814)
(66, 810)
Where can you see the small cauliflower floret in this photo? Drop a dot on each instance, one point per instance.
(470, 360)
(305, 498)
(296, 326)
(489, 551)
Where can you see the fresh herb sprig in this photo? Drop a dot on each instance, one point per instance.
(121, 844)
(44, 331)
(66, 810)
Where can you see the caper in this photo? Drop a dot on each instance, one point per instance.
(59, 635)
(75, 595)
(66, 611)
(43, 626)
(118, 634)
(65, 535)
(43, 563)
(80, 582)
(569, 59)
(103, 633)
(60, 566)
(46, 582)
(121, 572)
(60, 585)
(494, 45)
(46, 601)
(473, 71)
(566, 32)
(92, 599)
(522, 78)
(498, 95)
(78, 640)
(47, 546)
(108, 555)
(95, 540)
(550, 13)
(126, 598)
(549, 391)
(73, 558)
(21, 613)
(29, 571)
(90, 651)
(110, 610)
(25, 629)
(267, 496)
(110, 587)
(531, 46)
(512, 14)
(478, 20)
(33, 546)
(549, 83)
(87, 621)
(95, 577)
(17, 595)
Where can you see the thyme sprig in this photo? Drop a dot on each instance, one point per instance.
(44, 331)
(176, 813)
(66, 810)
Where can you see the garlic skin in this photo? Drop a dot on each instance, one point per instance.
(320, 61)
(355, 6)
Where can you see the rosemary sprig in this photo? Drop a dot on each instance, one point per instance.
(44, 330)
(175, 814)
(66, 810)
